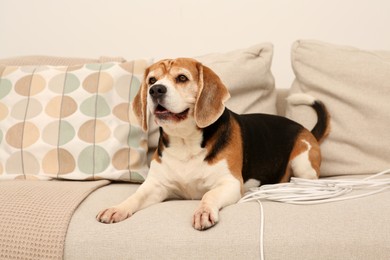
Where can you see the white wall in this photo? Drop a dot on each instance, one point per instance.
(170, 28)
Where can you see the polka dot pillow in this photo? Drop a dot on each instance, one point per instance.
(71, 122)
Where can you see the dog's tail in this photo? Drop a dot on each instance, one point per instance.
(322, 127)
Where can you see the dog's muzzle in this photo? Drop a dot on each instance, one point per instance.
(157, 93)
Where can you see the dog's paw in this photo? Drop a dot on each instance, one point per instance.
(112, 215)
(204, 217)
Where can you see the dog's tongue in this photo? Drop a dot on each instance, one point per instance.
(163, 113)
(161, 110)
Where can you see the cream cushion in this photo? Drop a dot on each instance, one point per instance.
(354, 84)
(351, 229)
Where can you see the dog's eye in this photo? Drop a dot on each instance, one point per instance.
(181, 78)
(152, 80)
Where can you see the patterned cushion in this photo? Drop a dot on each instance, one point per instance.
(71, 122)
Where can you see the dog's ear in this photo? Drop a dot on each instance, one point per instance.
(139, 103)
(211, 98)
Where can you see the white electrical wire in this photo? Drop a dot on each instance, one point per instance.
(304, 191)
(261, 230)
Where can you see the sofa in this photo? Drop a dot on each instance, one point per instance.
(70, 146)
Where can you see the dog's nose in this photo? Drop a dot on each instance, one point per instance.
(157, 91)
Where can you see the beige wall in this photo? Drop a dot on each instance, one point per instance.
(170, 28)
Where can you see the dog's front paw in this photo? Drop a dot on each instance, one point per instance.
(112, 215)
(204, 217)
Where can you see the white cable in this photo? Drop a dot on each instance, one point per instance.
(304, 191)
(261, 230)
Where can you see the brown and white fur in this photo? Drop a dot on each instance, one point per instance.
(209, 153)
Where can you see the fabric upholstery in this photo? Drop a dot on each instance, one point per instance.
(71, 122)
(354, 85)
(353, 229)
(35, 216)
(162, 231)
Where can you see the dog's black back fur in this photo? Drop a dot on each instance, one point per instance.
(267, 143)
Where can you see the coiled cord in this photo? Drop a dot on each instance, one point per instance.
(304, 191)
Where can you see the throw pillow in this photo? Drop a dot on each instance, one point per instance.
(71, 122)
(354, 85)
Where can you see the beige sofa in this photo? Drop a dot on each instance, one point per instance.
(350, 229)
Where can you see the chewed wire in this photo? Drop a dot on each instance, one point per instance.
(304, 191)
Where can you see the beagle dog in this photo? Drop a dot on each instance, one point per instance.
(207, 152)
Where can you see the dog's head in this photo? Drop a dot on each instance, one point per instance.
(178, 91)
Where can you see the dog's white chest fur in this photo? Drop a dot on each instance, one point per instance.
(184, 172)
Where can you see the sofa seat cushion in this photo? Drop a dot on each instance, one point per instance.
(352, 229)
(162, 231)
